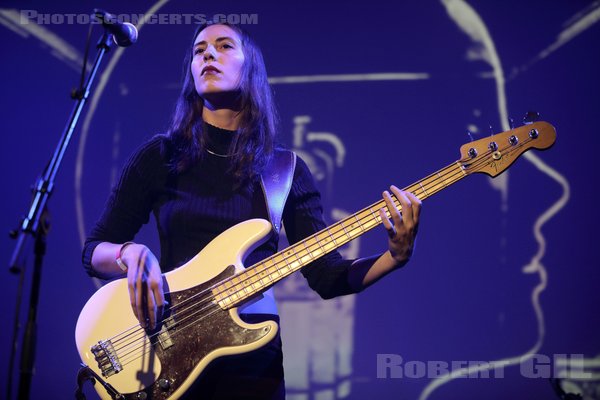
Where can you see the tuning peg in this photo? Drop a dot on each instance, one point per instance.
(531, 117)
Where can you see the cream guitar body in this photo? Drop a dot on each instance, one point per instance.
(195, 330)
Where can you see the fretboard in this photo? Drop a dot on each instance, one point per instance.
(261, 276)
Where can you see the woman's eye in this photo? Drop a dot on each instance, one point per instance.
(227, 46)
(199, 50)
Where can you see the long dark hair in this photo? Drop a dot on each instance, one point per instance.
(252, 147)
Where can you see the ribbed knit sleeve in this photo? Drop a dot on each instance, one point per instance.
(131, 200)
(303, 216)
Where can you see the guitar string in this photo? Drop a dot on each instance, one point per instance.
(309, 252)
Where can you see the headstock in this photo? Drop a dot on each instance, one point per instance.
(494, 154)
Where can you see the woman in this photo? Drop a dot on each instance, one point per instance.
(202, 178)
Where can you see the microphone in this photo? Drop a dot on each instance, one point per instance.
(124, 33)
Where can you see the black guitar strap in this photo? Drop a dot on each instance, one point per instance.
(276, 182)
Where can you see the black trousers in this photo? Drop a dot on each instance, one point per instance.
(257, 375)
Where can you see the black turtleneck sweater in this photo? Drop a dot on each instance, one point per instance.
(193, 207)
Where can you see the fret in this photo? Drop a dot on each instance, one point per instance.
(342, 241)
(289, 262)
(263, 281)
(226, 300)
(461, 168)
(330, 236)
(344, 229)
(320, 246)
(433, 184)
(423, 189)
(227, 284)
(330, 246)
(375, 217)
(307, 250)
(362, 228)
(256, 278)
(241, 290)
(274, 268)
(263, 270)
(253, 281)
(289, 266)
(300, 262)
(370, 221)
(355, 231)
(414, 191)
(443, 180)
(268, 272)
(275, 264)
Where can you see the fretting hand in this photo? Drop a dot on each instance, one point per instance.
(404, 224)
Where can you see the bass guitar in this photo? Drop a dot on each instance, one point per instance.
(202, 323)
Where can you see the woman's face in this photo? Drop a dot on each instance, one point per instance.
(217, 60)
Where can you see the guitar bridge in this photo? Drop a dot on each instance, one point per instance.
(107, 358)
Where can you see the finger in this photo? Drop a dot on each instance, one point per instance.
(131, 281)
(139, 286)
(151, 306)
(159, 296)
(392, 209)
(155, 295)
(416, 206)
(391, 231)
(407, 212)
(160, 310)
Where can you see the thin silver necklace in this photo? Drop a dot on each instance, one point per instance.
(216, 154)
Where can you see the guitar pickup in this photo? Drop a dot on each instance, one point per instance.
(164, 337)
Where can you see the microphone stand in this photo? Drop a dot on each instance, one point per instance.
(36, 224)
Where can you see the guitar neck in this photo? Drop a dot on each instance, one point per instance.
(261, 276)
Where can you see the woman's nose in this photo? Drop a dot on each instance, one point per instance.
(209, 53)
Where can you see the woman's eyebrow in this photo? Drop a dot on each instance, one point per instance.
(218, 40)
